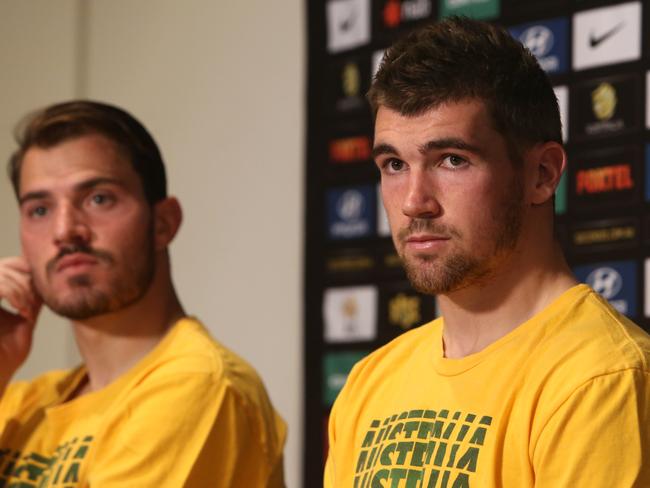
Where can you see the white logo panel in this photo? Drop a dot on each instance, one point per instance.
(562, 95)
(350, 313)
(377, 57)
(607, 35)
(383, 227)
(348, 24)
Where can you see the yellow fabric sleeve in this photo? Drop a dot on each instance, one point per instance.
(593, 440)
(186, 430)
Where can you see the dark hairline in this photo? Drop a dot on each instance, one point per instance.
(66, 121)
(516, 149)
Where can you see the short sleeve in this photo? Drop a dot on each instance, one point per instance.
(191, 430)
(599, 437)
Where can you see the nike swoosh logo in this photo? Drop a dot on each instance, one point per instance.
(347, 23)
(594, 40)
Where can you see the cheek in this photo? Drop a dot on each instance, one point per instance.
(33, 246)
(470, 207)
(126, 236)
(392, 198)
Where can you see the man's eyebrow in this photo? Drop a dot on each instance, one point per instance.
(84, 185)
(100, 180)
(448, 143)
(380, 149)
(434, 144)
(32, 195)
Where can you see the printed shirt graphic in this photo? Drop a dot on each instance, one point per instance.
(422, 448)
(559, 401)
(189, 414)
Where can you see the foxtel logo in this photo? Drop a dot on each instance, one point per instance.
(396, 11)
(350, 149)
(605, 179)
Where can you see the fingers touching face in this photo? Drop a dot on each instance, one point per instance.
(17, 288)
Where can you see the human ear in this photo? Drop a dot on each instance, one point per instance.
(548, 162)
(168, 216)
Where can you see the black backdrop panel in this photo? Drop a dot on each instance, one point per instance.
(356, 294)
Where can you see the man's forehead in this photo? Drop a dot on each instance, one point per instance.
(466, 113)
(72, 161)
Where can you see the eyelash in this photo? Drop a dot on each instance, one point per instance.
(460, 160)
(105, 196)
(31, 213)
(386, 165)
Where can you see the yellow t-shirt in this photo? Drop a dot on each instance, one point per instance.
(190, 414)
(562, 401)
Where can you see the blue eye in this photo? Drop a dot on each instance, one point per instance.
(38, 211)
(100, 199)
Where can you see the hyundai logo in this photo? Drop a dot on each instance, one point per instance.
(350, 205)
(606, 281)
(538, 39)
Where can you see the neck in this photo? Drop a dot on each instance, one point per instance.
(113, 343)
(525, 284)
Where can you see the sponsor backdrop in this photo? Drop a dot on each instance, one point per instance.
(357, 297)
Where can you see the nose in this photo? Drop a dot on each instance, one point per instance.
(70, 226)
(420, 201)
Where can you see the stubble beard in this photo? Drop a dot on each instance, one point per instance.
(85, 300)
(440, 276)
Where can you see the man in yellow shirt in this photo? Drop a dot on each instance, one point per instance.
(529, 378)
(157, 402)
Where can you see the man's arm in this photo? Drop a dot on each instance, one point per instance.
(16, 328)
(599, 437)
(329, 478)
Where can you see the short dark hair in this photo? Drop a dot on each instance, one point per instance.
(459, 58)
(64, 121)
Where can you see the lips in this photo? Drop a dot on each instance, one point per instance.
(425, 238)
(75, 260)
(424, 242)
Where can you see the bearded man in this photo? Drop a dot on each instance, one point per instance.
(157, 402)
(528, 378)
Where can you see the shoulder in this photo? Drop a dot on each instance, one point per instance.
(189, 350)
(585, 346)
(210, 390)
(42, 391)
(596, 339)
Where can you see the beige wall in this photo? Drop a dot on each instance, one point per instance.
(220, 85)
(39, 66)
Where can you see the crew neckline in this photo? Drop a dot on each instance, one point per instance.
(451, 367)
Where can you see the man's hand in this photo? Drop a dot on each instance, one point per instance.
(16, 328)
